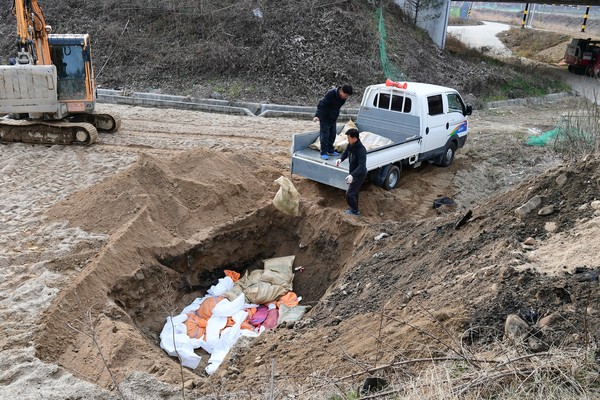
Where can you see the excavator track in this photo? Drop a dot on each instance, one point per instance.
(47, 132)
(106, 122)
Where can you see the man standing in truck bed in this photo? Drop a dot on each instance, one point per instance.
(328, 111)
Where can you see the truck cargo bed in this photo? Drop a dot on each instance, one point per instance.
(308, 163)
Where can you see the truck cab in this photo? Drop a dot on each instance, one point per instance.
(582, 56)
(434, 113)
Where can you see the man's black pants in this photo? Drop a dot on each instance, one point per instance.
(352, 192)
(327, 131)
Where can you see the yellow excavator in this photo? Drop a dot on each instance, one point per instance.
(47, 93)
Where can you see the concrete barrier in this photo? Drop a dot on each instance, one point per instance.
(168, 101)
(265, 110)
(212, 105)
(528, 100)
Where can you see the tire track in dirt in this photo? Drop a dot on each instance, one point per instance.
(181, 130)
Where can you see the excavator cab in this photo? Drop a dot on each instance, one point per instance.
(71, 56)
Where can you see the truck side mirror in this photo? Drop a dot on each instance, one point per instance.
(468, 110)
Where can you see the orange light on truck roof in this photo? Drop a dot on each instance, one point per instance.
(399, 85)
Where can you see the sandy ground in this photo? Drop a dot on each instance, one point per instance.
(90, 231)
(34, 178)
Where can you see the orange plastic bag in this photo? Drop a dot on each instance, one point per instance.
(196, 326)
(196, 322)
(290, 299)
(207, 306)
(235, 276)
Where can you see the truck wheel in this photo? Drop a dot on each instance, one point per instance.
(448, 155)
(392, 178)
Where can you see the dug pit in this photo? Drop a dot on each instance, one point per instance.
(172, 232)
(163, 289)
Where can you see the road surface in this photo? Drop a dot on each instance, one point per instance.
(483, 37)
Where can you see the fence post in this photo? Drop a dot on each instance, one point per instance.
(525, 15)
(585, 17)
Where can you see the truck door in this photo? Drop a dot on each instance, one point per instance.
(457, 121)
(436, 124)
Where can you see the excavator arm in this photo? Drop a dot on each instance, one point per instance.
(32, 32)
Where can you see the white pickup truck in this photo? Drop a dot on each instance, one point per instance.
(423, 122)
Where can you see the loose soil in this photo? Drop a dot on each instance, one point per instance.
(101, 244)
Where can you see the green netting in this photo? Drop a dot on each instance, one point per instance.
(544, 138)
(560, 135)
(389, 70)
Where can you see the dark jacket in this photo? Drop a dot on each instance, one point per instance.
(357, 156)
(328, 109)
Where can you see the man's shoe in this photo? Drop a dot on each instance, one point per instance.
(324, 156)
(334, 154)
(352, 212)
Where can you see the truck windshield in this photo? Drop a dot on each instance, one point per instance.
(70, 67)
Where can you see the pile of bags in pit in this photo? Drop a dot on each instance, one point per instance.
(234, 307)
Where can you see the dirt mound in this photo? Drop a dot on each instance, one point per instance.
(428, 289)
(542, 46)
(173, 191)
(153, 208)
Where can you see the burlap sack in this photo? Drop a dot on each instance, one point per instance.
(340, 141)
(286, 198)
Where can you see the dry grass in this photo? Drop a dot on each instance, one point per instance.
(505, 369)
(556, 374)
(499, 373)
(529, 43)
(579, 130)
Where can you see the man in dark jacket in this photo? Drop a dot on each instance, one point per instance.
(328, 111)
(357, 157)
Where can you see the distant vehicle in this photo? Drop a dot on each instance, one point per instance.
(583, 57)
(421, 122)
(47, 91)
